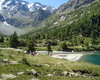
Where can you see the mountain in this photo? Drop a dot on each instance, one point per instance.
(76, 17)
(74, 4)
(40, 16)
(19, 13)
(36, 6)
(68, 13)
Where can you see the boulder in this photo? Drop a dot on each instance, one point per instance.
(47, 65)
(5, 60)
(49, 75)
(13, 62)
(35, 79)
(65, 73)
(6, 76)
(20, 73)
(33, 71)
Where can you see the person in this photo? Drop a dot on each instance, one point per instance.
(50, 54)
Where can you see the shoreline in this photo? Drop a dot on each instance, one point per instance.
(70, 57)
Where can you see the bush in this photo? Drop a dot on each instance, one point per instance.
(22, 43)
(63, 46)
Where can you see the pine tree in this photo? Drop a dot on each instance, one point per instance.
(49, 47)
(2, 39)
(93, 37)
(31, 46)
(14, 40)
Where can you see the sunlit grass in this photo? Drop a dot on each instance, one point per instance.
(32, 62)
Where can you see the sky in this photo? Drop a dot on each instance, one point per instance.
(54, 3)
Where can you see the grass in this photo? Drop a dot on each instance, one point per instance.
(28, 62)
(38, 63)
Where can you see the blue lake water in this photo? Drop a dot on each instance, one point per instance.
(92, 58)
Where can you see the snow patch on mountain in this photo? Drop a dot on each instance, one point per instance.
(36, 6)
(19, 4)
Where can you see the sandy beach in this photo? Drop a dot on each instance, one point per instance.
(70, 57)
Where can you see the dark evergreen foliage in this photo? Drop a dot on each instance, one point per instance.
(31, 46)
(63, 46)
(49, 47)
(2, 39)
(14, 43)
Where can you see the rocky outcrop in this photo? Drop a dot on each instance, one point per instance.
(1, 18)
(73, 3)
(19, 13)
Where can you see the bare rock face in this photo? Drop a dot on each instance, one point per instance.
(74, 3)
(19, 12)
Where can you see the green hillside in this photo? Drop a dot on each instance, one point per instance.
(81, 27)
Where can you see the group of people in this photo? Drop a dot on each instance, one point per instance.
(31, 53)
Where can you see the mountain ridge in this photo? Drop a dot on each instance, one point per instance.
(68, 13)
(69, 16)
(65, 15)
(18, 14)
(74, 3)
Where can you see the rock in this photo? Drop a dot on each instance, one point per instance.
(6, 76)
(35, 79)
(47, 65)
(5, 60)
(49, 75)
(77, 75)
(54, 73)
(70, 75)
(65, 73)
(33, 71)
(20, 73)
(13, 62)
(84, 76)
(38, 65)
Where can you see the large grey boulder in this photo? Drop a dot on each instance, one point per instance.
(6, 76)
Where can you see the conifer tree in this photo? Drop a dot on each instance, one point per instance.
(31, 46)
(93, 37)
(49, 47)
(14, 40)
(2, 39)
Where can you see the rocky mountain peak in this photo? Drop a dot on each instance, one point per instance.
(36, 6)
(12, 5)
(23, 5)
(19, 13)
(74, 4)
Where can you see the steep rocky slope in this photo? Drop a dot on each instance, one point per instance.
(19, 13)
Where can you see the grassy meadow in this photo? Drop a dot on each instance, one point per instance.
(14, 62)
